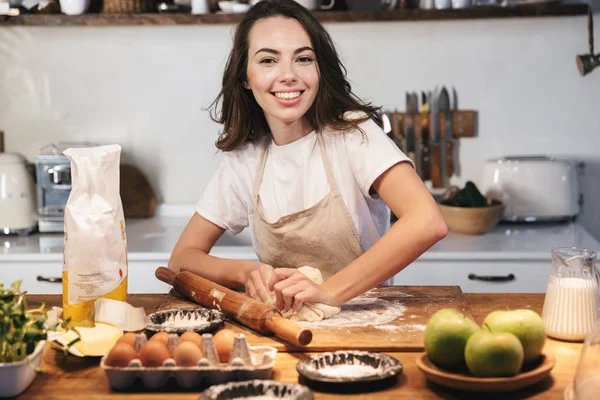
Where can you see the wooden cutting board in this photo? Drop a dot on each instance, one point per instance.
(391, 318)
(137, 196)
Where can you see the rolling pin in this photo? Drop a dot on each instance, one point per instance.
(237, 306)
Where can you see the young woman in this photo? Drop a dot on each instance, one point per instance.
(308, 169)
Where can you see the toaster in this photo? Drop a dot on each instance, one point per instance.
(534, 188)
(53, 174)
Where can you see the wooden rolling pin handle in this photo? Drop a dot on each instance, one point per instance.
(165, 275)
(288, 330)
(237, 306)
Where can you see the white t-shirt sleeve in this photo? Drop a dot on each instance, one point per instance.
(371, 154)
(224, 201)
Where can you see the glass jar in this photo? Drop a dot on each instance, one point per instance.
(586, 384)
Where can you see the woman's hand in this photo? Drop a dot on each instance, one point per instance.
(292, 288)
(257, 283)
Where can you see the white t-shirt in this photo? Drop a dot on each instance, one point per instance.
(294, 179)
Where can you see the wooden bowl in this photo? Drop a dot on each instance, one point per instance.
(473, 220)
(470, 383)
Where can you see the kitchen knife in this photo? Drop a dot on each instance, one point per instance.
(449, 134)
(425, 102)
(437, 151)
(414, 99)
(409, 123)
(454, 99)
(423, 136)
(237, 306)
(396, 134)
(425, 150)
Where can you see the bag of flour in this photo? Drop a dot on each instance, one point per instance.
(95, 250)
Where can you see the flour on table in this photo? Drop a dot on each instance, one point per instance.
(405, 327)
(177, 321)
(388, 327)
(259, 398)
(412, 327)
(347, 371)
(266, 396)
(362, 311)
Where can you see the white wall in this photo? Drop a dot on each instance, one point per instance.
(146, 87)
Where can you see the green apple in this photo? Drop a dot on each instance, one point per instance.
(491, 355)
(526, 325)
(446, 336)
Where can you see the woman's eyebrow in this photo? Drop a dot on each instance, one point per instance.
(273, 51)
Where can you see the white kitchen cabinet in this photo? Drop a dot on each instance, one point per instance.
(142, 279)
(29, 272)
(36, 275)
(530, 276)
(514, 276)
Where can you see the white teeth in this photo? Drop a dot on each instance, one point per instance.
(287, 95)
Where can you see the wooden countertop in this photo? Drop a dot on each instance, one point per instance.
(84, 379)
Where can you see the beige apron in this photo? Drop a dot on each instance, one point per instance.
(323, 236)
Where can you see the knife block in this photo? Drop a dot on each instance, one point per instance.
(441, 157)
(464, 122)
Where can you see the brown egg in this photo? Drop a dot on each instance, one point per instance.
(223, 341)
(191, 337)
(129, 338)
(187, 354)
(161, 336)
(120, 355)
(154, 353)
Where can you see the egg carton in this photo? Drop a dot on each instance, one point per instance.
(245, 363)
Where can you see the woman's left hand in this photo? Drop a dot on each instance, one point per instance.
(292, 288)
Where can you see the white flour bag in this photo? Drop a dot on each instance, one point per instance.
(95, 250)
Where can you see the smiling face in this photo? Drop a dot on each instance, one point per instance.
(282, 70)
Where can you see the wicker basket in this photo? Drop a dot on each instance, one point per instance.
(129, 6)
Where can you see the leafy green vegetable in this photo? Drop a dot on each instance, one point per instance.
(469, 196)
(21, 329)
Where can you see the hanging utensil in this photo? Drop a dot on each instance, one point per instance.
(424, 139)
(437, 150)
(587, 62)
(411, 110)
(444, 106)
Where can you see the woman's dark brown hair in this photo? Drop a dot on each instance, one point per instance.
(242, 118)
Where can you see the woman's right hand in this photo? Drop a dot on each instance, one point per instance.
(257, 283)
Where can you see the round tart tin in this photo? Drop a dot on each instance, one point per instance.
(257, 389)
(349, 370)
(180, 320)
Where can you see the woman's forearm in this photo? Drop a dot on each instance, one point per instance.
(407, 239)
(224, 271)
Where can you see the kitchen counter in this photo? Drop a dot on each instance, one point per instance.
(147, 239)
(83, 378)
(154, 238)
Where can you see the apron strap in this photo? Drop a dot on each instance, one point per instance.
(259, 173)
(332, 183)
